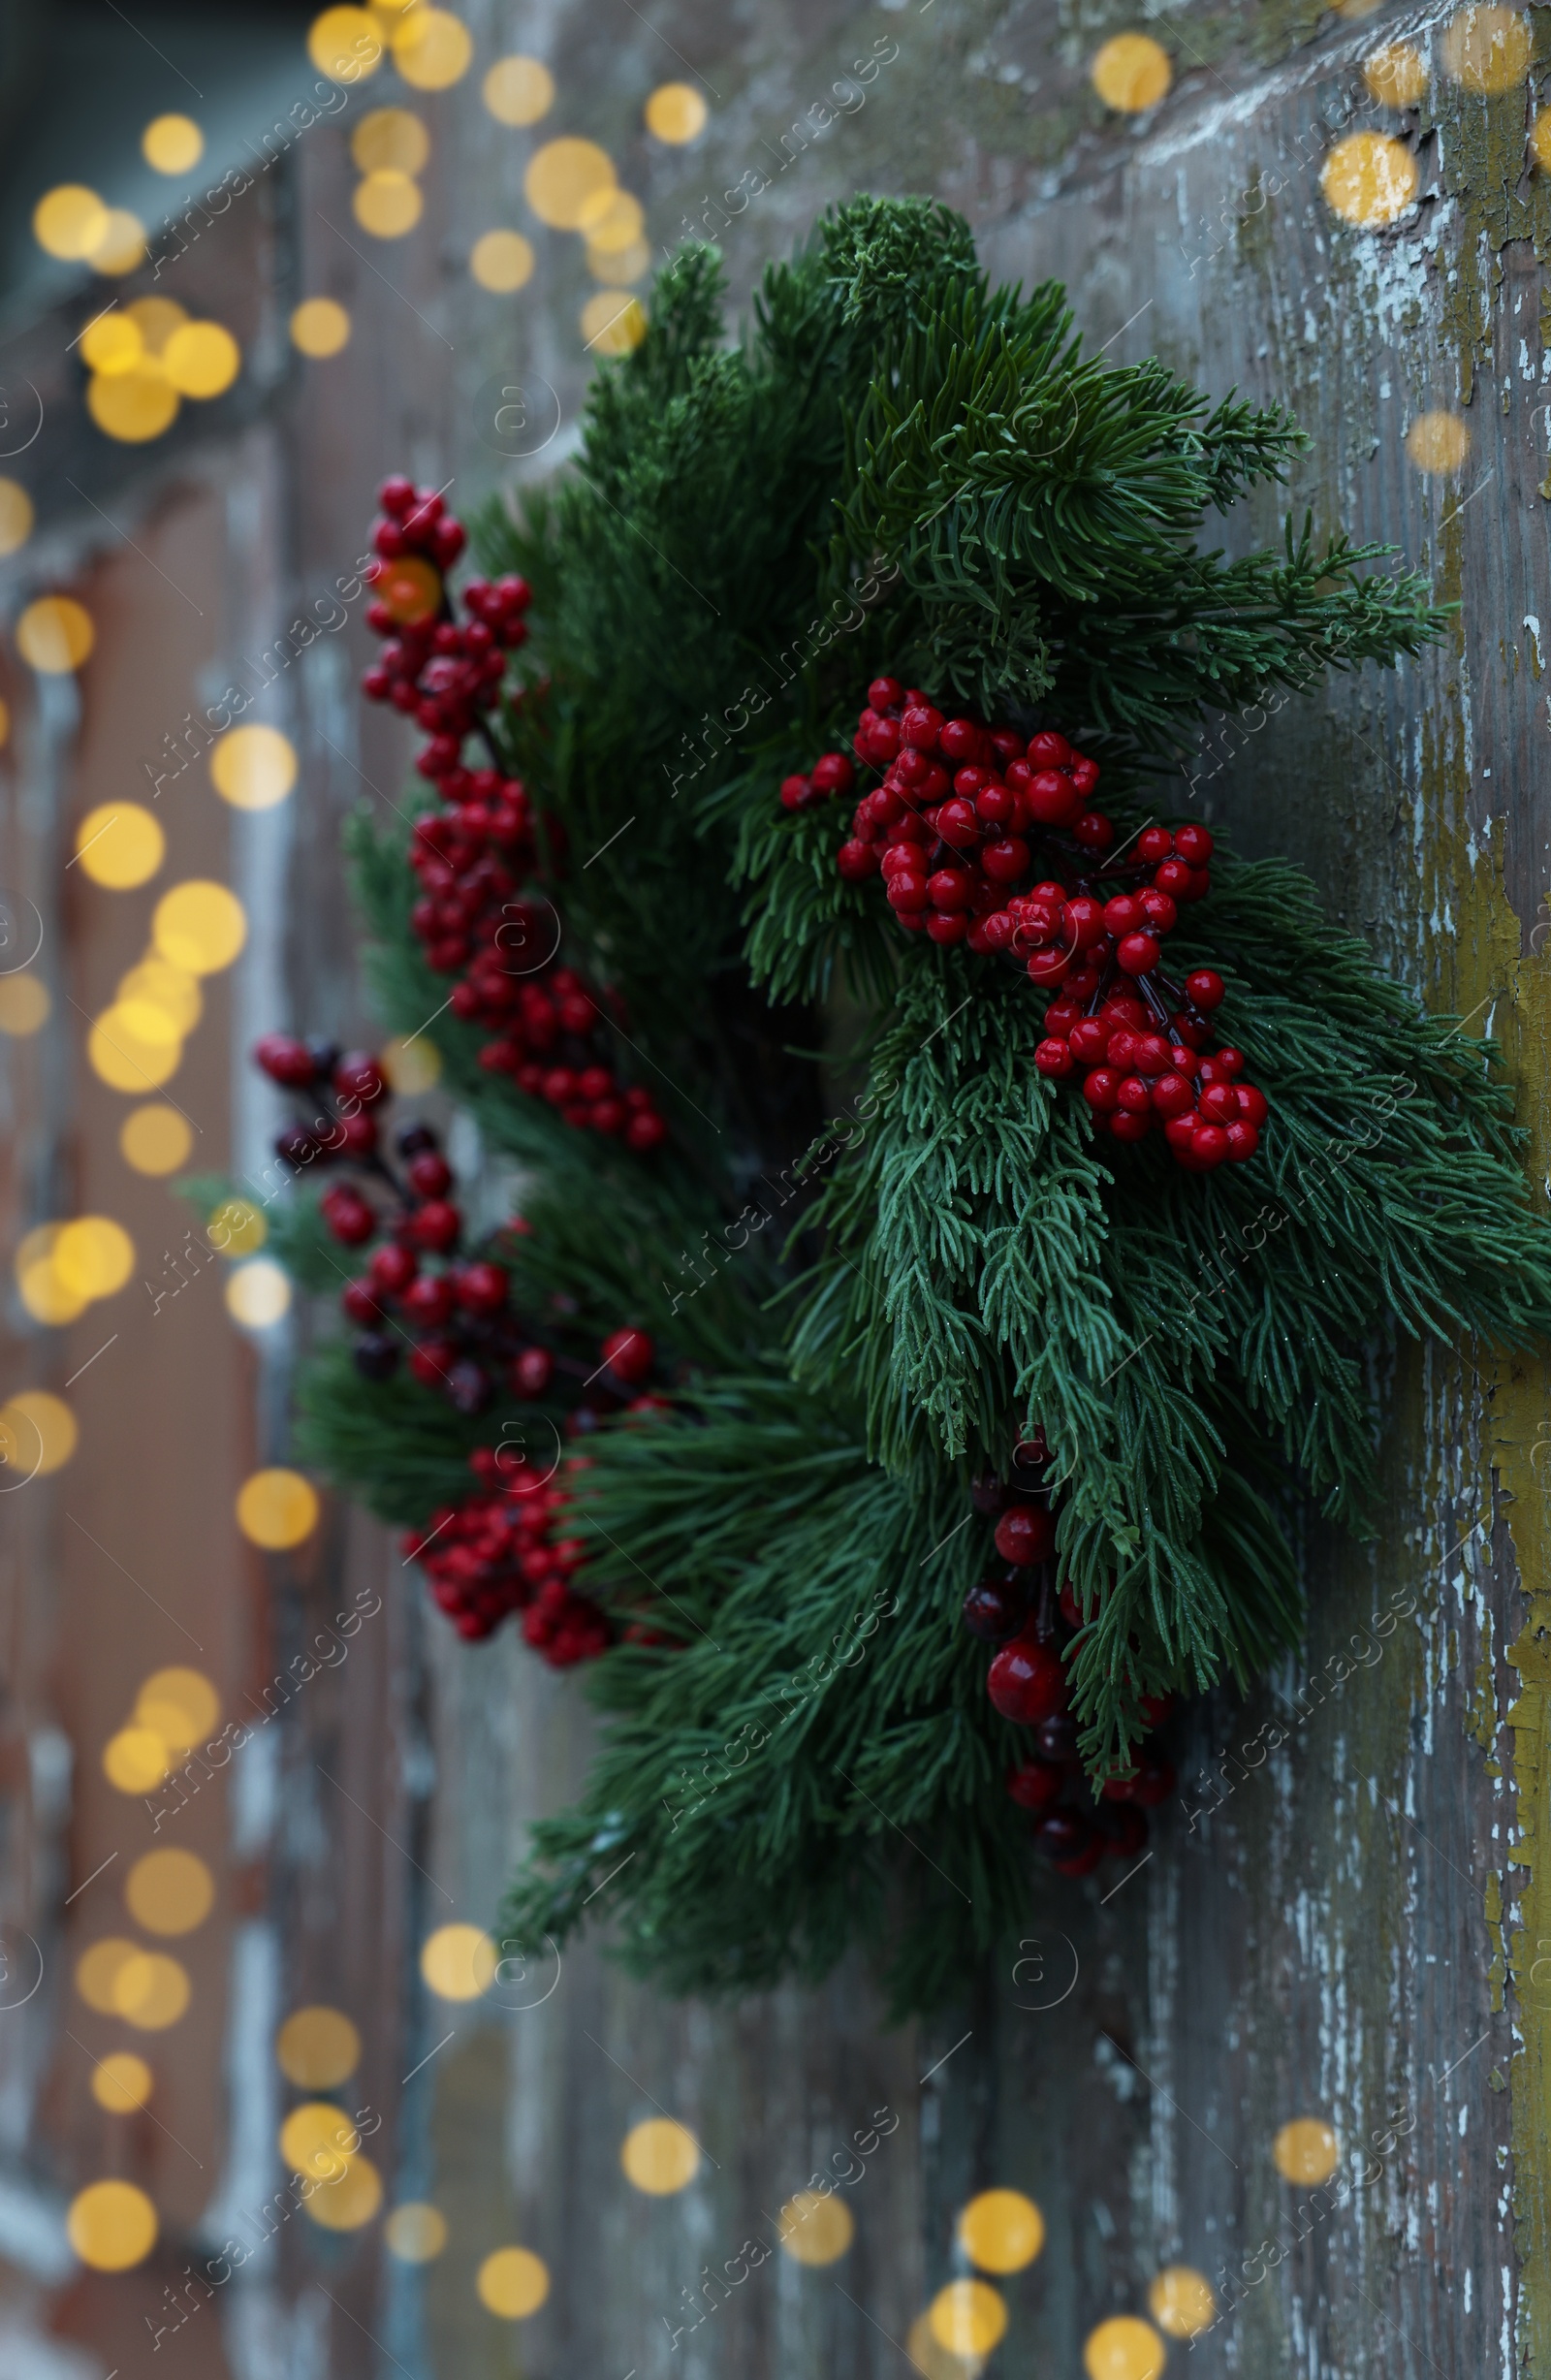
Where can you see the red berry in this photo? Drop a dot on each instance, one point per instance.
(629, 1354)
(1158, 909)
(1175, 878)
(1126, 1123)
(1000, 931)
(1123, 914)
(1026, 1533)
(944, 927)
(1138, 954)
(1204, 988)
(1220, 1103)
(358, 1304)
(949, 889)
(994, 805)
(1055, 1059)
(433, 1361)
(481, 1288)
(1027, 1681)
(1035, 1784)
(1243, 1142)
(428, 1301)
(1228, 1064)
(1173, 1095)
(1091, 1040)
(286, 1060)
(430, 1174)
(1094, 831)
(795, 792)
(1195, 844)
(956, 824)
(436, 1225)
(1151, 1055)
(530, 1372)
(857, 861)
(393, 1268)
(908, 890)
(1049, 750)
(1048, 966)
(1134, 1094)
(1154, 845)
(885, 695)
(1210, 1145)
(358, 1136)
(396, 495)
(1085, 776)
(832, 774)
(1007, 861)
(646, 1129)
(1101, 1090)
(347, 1215)
(960, 740)
(1253, 1104)
(1053, 799)
(358, 1076)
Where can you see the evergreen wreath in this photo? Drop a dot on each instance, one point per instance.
(849, 1354)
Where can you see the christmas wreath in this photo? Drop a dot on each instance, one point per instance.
(960, 1199)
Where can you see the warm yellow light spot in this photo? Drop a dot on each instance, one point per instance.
(350, 2199)
(172, 143)
(1125, 2348)
(15, 516)
(277, 1508)
(518, 90)
(69, 221)
(934, 2361)
(611, 219)
(56, 634)
(253, 768)
(1131, 72)
(156, 319)
(317, 2049)
(119, 845)
(199, 926)
(613, 322)
(432, 49)
(180, 1704)
(135, 1760)
(97, 1970)
(319, 327)
(112, 2226)
(560, 178)
(1486, 48)
(502, 261)
(38, 1434)
(459, 1962)
(93, 1255)
(1181, 2301)
(201, 358)
(113, 343)
(390, 140)
(659, 2156)
(258, 1296)
(1369, 178)
(388, 205)
(513, 2283)
(1438, 443)
(122, 2083)
(319, 2138)
(675, 113)
(133, 1048)
(967, 2318)
(155, 1139)
(1396, 74)
(132, 406)
(171, 990)
(1002, 2231)
(815, 2230)
(122, 246)
(170, 1892)
(236, 1228)
(46, 1298)
(619, 266)
(415, 2233)
(345, 44)
(24, 1004)
(410, 588)
(412, 1066)
(1304, 2150)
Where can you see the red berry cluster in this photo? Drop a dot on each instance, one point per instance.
(473, 859)
(952, 828)
(504, 1550)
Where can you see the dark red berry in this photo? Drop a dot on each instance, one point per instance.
(393, 1268)
(532, 1370)
(1035, 1786)
(1026, 1681)
(1026, 1533)
(436, 1225)
(481, 1288)
(358, 1076)
(1195, 844)
(629, 1354)
(1204, 988)
(997, 1609)
(347, 1215)
(375, 1355)
(285, 1060)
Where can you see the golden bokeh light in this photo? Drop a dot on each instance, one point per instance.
(151, 1992)
(24, 1004)
(459, 1962)
(276, 1510)
(1002, 2231)
(172, 143)
(967, 2318)
(619, 266)
(133, 1048)
(411, 588)
(132, 406)
(412, 1063)
(391, 140)
(936, 2362)
(200, 927)
(253, 768)
(388, 205)
(69, 221)
(345, 44)
(156, 319)
(1486, 48)
(502, 261)
(258, 1296)
(675, 112)
(1123, 2348)
(432, 49)
(55, 635)
(122, 246)
(1306, 2151)
(113, 343)
(562, 177)
(15, 516)
(119, 845)
(1396, 74)
(613, 322)
(318, 2139)
(320, 326)
(171, 992)
(611, 219)
(201, 358)
(122, 2083)
(1131, 72)
(170, 1892)
(93, 1257)
(155, 1139)
(518, 90)
(317, 2049)
(1369, 178)
(815, 2230)
(38, 1434)
(97, 1970)
(1438, 443)
(46, 1297)
(112, 2226)
(351, 2199)
(1181, 2301)
(135, 1760)
(236, 1228)
(180, 1704)
(659, 2156)
(513, 2283)
(415, 2233)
